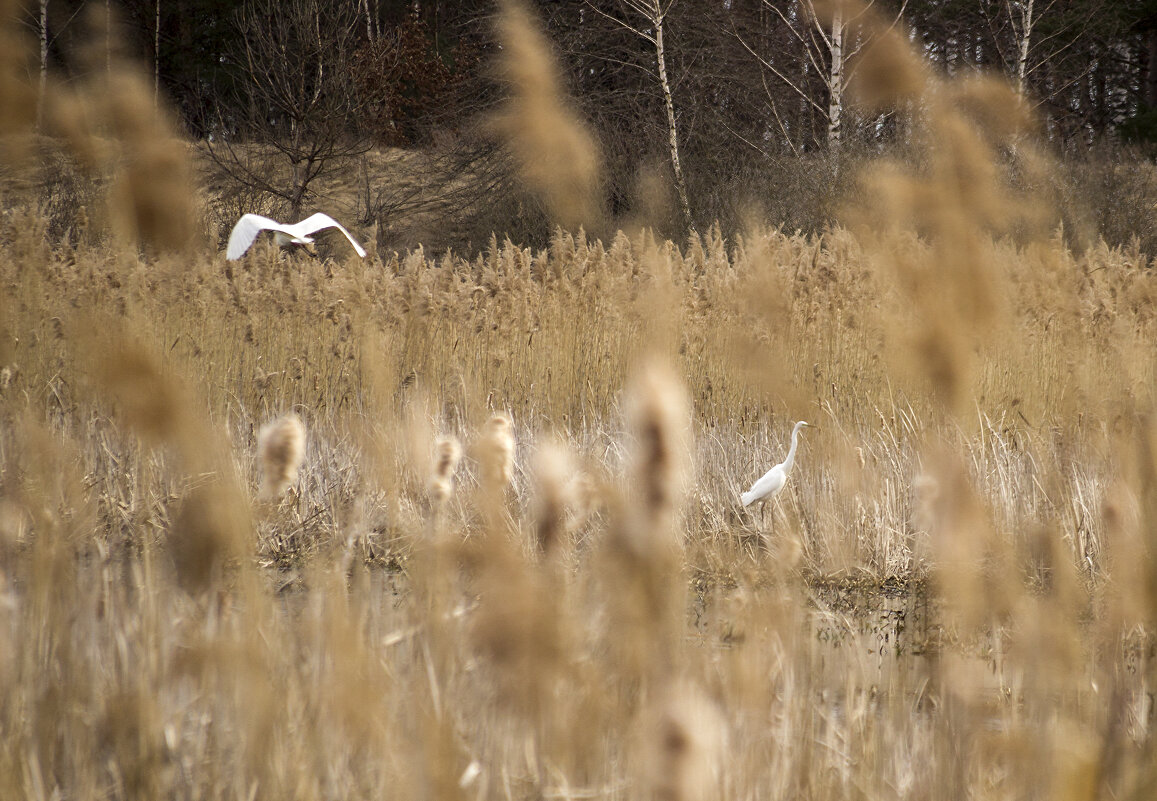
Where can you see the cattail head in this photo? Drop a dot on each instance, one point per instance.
(280, 447)
(552, 472)
(495, 453)
(684, 740)
(659, 418)
(644, 548)
(447, 452)
(519, 626)
(209, 530)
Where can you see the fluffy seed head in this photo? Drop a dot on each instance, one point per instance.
(887, 72)
(208, 531)
(150, 200)
(557, 155)
(280, 448)
(496, 452)
(446, 455)
(149, 401)
(659, 419)
(552, 472)
(685, 740)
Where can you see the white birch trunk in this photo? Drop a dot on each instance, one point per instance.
(40, 99)
(1026, 23)
(836, 79)
(364, 5)
(805, 108)
(672, 129)
(157, 56)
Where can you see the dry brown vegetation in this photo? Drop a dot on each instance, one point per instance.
(955, 597)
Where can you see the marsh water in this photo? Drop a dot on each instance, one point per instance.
(875, 638)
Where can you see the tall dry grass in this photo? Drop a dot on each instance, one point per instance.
(954, 598)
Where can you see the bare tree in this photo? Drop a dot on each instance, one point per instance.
(653, 14)
(299, 96)
(1031, 34)
(829, 38)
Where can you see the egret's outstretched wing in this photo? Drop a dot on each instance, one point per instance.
(318, 222)
(247, 229)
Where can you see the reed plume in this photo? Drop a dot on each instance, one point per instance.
(208, 532)
(518, 625)
(557, 155)
(887, 73)
(116, 125)
(151, 201)
(18, 101)
(970, 137)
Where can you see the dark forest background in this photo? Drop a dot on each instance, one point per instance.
(320, 86)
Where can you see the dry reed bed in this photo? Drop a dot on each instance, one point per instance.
(363, 350)
(142, 661)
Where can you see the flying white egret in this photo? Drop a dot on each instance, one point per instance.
(774, 479)
(250, 225)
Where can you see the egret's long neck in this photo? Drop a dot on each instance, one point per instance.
(790, 460)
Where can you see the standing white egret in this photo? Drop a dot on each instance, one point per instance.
(250, 225)
(773, 480)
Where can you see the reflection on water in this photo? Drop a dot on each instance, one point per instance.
(851, 647)
(894, 644)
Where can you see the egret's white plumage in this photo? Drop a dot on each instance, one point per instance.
(250, 225)
(773, 481)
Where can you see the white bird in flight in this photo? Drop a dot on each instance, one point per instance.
(250, 225)
(773, 480)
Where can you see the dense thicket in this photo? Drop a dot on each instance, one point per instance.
(756, 88)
